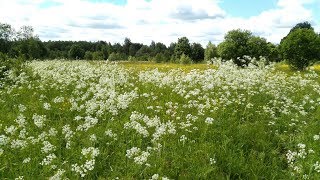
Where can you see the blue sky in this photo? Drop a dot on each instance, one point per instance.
(247, 8)
(160, 20)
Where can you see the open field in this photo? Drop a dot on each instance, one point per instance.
(99, 120)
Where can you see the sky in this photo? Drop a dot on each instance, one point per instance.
(159, 20)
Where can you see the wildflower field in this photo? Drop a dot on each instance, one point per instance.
(102, 120)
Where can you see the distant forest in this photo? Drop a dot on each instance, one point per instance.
(25, 44)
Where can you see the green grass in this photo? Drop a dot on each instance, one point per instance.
(185, 121)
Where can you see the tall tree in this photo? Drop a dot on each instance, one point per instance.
(197, 52)
(182, 47)
(210, 51)
(76, 52)
(6, 35)
(126, 45)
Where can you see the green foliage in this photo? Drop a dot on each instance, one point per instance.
(302, 25)
(117, 57)
(132, 59)
(258, 47)
(185, 59)
(221, 123)
(239, 43)
(161, 57)
(15, 66)
(300, 48)
(182, 47)
(210, 52)
(97, 55)
(88, 55)
(274, 53)
(6, 34)
(197, 52)
(31, 48)
(144, 53)
(105, 53)
(76, 52)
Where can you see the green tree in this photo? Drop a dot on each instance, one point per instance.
(302, 25)
(126, 45)
(105, 53)
(76, 52)
(235, 45)
(134, 48)
(197, 52)
(6, 35)
(274, 53)
(239, 43)
(31, 48)
(257, 47)
(182, 47)
(210, 52)
(301, 47)
(143, 54)
(97, 55)
(185, 59)
(88, 55)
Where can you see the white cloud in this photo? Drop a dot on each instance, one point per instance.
(142, 21)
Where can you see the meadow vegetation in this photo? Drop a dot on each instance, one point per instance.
(103, 120)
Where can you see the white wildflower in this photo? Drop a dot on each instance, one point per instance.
(46, 106)
(209, 120)
(58, 175)
(48, 159)
(26, 160)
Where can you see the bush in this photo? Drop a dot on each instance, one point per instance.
(98, 55)
(160, 57)
(117, 57)
(7, 65)
(132, 59)
(184, 59)
(88, 55)
(301, 48)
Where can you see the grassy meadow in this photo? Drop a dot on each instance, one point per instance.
(104, 120)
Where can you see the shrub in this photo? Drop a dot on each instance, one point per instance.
(117, 57)
(184, 59)
(132, 59)
(88, 55)
(7, 65)
(160, 57)
(300, 48)
(98, 55)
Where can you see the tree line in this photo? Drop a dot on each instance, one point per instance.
(300, 48)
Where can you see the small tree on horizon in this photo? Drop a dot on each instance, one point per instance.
(300, 48)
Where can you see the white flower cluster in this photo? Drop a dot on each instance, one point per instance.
(21, 120)
(90, 154)
(39, 120)
(111, 134)
(47, 147)
(89, 122)
(48, 159)
(58, 175)
(140, 157)
(46, 106)
(157, 177)
(145, 126)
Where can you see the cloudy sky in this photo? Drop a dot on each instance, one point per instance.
(159, 20)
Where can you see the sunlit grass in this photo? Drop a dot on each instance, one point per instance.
(143, 120)
(142, 66)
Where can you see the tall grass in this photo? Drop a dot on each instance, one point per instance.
(130, 121)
